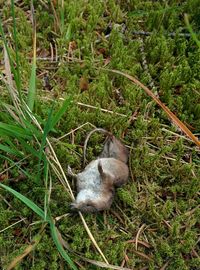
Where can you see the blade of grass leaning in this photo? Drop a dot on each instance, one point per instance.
(15, 130)
(45, 132)
(32, 81)
(15, 164)
(47, 177)
(69, 32)
(59, 246)
(10, 150)
(60, 112)
(11, 113)
(25, 200)
(41, 213)
(9, 80)
(29, 149)
(18, 82)
(189, 27)
(14, 97)
(62, 16)
(171, 115)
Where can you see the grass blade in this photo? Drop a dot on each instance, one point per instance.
(15, 131)
(69, 32)
(25, 200)
(59, 246)
(189, 27)
(11, 151)
(47, 128)
(171, 115)
(62, 16)
(61, 111)
(28, 148)
(18, 81)
(32, 81)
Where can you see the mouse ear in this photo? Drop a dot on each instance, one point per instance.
(100, 169)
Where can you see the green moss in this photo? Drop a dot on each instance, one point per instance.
(163, 187)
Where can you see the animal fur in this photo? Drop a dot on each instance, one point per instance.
(96, 184)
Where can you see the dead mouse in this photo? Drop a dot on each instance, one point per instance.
(96, 184)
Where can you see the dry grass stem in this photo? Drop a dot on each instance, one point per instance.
(103, 110)
(138, 235)
(10, 226)
(73, 130)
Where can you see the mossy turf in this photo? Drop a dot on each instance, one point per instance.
(162, 194)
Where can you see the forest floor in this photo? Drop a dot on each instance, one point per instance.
(154, 221)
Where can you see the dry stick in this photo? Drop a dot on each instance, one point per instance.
(10, 226)
(143, 243)
(103, 110)
(15, 164)
(173, 117)
(164, 266)
(73, 130)
(143, 255)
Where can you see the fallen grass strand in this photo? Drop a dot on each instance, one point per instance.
(138, 235)
(103, 110)
(12, 225)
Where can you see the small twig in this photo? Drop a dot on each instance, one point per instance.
(103, 110)
(51, 49)
(73, 130)
(138, 234)
(189, 213)
(164, 266)
(142, 255)
(10, 226)
(167, 223)
(143, 243)
(16, 163)
(60, 217)
(171, 34)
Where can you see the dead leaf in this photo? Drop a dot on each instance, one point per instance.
(72, 45)
(83, 84)
(3, 177)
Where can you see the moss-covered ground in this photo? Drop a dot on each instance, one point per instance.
(154, 222)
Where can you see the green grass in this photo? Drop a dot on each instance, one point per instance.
(160, 204)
